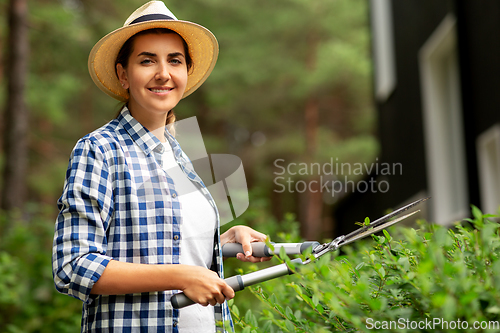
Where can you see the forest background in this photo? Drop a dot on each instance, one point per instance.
(292, 82)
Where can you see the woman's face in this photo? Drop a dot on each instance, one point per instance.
(156, 74)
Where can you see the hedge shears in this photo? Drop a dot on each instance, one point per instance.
(239, 282)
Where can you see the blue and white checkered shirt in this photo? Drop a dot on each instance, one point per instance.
(118, 203)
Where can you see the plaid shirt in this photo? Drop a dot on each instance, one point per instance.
(119, 204)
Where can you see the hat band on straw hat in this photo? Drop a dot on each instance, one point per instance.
(151, 17)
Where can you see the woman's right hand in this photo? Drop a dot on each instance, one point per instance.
(204, 286)
(200, 284)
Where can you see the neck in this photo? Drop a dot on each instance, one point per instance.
(154, 122)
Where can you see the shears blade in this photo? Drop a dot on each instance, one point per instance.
(375, 226)
(376, 229)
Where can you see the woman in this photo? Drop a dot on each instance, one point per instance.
(125, 240)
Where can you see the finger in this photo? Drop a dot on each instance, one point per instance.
(259, 237)
(254, 259)
(228, 292)
(220, 298)
(245, 243)
(241, 256)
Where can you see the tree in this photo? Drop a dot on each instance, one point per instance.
(298, 72)
(16, 115)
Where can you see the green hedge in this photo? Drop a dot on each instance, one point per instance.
(28, 300)
(430, 279)
(431, 273)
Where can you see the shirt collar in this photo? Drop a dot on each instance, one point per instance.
(146, 140)
(173, 143)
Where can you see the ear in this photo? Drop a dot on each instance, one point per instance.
(122, 76)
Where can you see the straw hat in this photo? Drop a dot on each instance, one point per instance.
(202, 44)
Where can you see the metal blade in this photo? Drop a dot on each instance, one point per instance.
(366, 230)
(384, 218)
(377, 229)
(397, 212)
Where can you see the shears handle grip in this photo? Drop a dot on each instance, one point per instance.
(239, 282)
(260, 249)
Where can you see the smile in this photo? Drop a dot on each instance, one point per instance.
(160, 90)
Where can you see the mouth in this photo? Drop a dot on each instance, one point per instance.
(161, 90)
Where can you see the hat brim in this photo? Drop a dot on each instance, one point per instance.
(202, 45)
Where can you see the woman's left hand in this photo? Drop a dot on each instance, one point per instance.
(244, 235)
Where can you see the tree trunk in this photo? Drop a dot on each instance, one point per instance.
(313, 197)
(16, 117)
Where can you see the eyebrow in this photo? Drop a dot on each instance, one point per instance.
(150, 54)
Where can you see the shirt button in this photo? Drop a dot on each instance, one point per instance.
(176, 237)
(174, 195)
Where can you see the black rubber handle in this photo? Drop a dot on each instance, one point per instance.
(181, 300)
(239, 282)
(259, 249)
(307, 245)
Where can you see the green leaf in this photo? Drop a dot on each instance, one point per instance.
(298, 314)
(493, 309)
(267, 326)
(308, 300)
(367, 221)
(315, 300)
(248, 316)
(325, 271)
(360, 265)
(382, 272)
(283, 253)
(289, 313)
(236, 310)
(468, 297)
(476, 212)
(375, 304)
(289, 326)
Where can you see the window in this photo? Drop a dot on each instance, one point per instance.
(441, 101)
(383, 48)
(488, 150)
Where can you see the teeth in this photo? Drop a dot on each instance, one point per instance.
(159, 90)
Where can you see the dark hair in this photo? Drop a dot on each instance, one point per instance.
(128, 47)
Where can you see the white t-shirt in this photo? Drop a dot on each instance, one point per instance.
(197, 243)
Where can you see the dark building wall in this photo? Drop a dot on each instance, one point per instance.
(479, 43)
(400, 119)
(478, 24)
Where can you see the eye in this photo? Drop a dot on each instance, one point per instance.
(146, 61)
(175, 61)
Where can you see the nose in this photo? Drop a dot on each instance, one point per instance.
(163, 73)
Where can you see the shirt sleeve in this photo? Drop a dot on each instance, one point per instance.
(85, 210)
